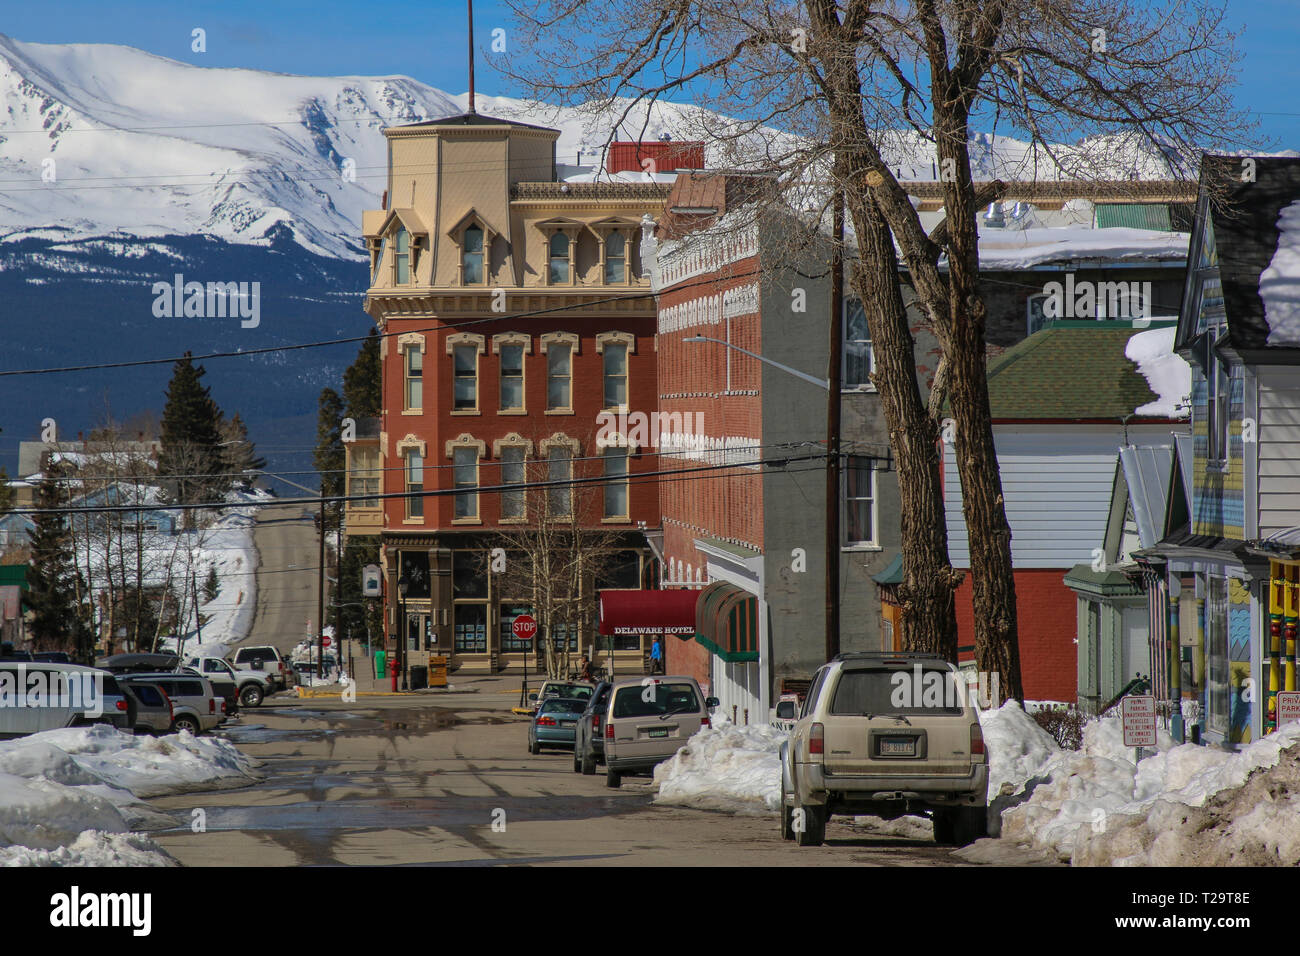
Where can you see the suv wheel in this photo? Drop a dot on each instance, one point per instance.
(787, 815)
(533, 746)
(186, 722)
(945, 826)
(250, 695)
(577, 762)
(970, 824)
(813, 832)
(588, 763)
(613, 779)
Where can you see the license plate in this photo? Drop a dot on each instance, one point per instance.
(657, 733)
(898, 747)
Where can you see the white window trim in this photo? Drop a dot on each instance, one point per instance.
(513, 440)
(874, 543)
(866, 386)
(513, 338)
(616, 338)
(572, 340)
(408, 444)
(479, 343)
(479, 447)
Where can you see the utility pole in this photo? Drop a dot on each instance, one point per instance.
(320, 604)
(470, 5)
(833, 378)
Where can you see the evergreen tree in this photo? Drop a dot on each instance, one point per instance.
(211, 586)
(241, 454)
(52, 578)
(329, 458)
(191, 437)
(362, 381)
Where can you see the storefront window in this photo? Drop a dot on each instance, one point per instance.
(509, 643)
(1218, 685)
(469, 574)
(470, 628)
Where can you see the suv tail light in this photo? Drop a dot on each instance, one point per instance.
(595, 723)
(121, 704)
(609, 731)
(704, 721)
(212, 705)
(816, 739)
(976, 741)
(223, 705)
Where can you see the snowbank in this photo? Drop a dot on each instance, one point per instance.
(1098, 790)
(72, 796)
(728, 767)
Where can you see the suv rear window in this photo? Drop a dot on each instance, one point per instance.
(667, 698)
(866, 692)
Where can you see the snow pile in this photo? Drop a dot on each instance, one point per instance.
(1017, 747)
(731, 767)
(72, 796)
(1279, 284)
(1090, 792)
(1166, 372)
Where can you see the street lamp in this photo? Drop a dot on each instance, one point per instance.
(403, 585)
(832, 466)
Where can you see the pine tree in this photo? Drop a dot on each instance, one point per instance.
(241, 454)
(362, 382)
(211, 586)
(329, 457)
(191, 437)
(51, 578)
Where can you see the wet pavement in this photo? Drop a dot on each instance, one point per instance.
(449, 781)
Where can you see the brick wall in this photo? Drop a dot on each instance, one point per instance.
(1046, 617)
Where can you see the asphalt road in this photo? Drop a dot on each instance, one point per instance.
(287, 592)
(422, 780)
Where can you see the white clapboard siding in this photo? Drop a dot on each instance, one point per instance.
(1279, 448)
(1057, 483)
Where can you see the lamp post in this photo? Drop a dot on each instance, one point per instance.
(403, 585)
(832, 469)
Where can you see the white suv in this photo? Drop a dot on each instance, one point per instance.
(886, 734)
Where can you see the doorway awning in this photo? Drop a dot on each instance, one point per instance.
(726, 622)
(624, 611)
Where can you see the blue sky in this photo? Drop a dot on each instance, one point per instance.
(426, 39)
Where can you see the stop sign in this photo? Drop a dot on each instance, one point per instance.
(325, 640)
(524, 627)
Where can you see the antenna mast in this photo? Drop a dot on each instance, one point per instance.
(470, 5)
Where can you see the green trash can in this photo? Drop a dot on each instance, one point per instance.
(381, 660)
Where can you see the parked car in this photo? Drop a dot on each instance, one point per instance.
(267, 659)
(648, 720)
(138, 663)
(785, 713)
(589, 739)
(223, 686)
(153, 708)
(868, 741)
(554, 723)
(574, 690)
(75, 696)
(251, 686)
(196, 707)
(52, 657)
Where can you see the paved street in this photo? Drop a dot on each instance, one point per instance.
(417, 780)
(288, 555)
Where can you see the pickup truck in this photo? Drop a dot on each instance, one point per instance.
(252, 686)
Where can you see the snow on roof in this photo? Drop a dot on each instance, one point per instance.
(1279, 284)
(1166, 372)
(1022, 249)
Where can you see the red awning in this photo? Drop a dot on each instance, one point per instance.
(648, 612)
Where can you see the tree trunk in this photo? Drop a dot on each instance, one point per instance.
(929, 622)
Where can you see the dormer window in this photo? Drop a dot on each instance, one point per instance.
(558, 267)
(615, 259)
(402, 256)
(471, 256)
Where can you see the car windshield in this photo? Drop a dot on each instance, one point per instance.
(559, 705)
(897, 692)
(653, 700)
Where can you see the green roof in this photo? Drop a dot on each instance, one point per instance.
(1162, 217)
(1072, 370)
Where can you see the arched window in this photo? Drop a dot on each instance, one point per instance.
(559, 258)
(472, 256)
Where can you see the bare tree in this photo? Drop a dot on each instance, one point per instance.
(868, 86)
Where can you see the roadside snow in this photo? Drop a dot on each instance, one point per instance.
(73, 796)
(1166, 372)
(1279, 284)
(736, 768)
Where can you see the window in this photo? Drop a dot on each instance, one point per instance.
(566, 634)
(510, 643)
(363, 478)
(1217, 678)
(465, 476)
(402, 250)
(469, 628)
(465, 378)
(513, 458)
(414, 396)
(859, 360)
(559, 258)
(414, 484)
(1035, 316)
(859, 501)
(559, 468)
(471, 256)
(1218, 387)
(559, 376)
(469, 574)
(615, 258)
(616, 487)
(615, 375)
(512, 378)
